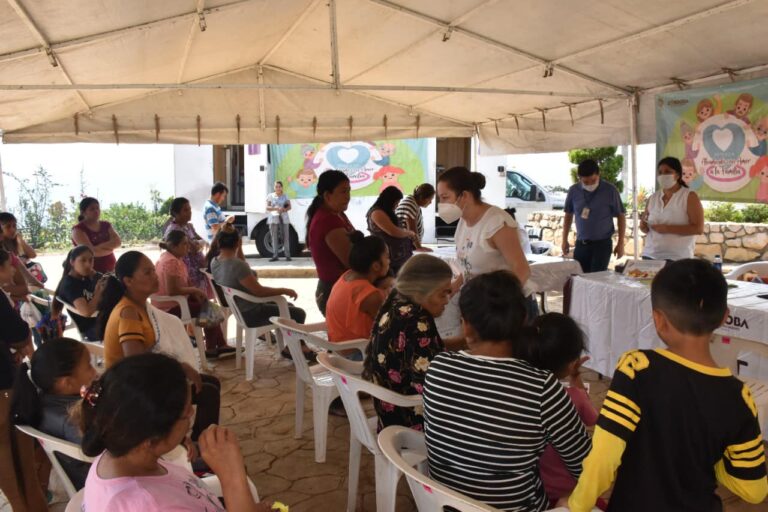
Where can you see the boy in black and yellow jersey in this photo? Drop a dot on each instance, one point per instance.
(673, 423)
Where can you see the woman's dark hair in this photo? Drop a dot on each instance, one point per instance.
(51, 361)
(139, 398)
(176, 205)
(115, 288)
(6, 217)
(552, 342)
(387, 202)
(494, 305)
(327, 182)
(67, 266)
(424, 191)
(674, 164)
(172, 239)
(366, 250)
(4, 256)
(227, 238)
(461, 179)
(84, 204)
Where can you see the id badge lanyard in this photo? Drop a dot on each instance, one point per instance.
(586, 210)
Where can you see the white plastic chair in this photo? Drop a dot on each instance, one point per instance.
(76, 502)
(755, 266)
(53, 445)
(252, 333)
(759, 390)
(187, 319)
(225, 309)
(429, 495)
(316, 377)
(345, 374)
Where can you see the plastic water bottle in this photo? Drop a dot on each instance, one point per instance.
(718, 263)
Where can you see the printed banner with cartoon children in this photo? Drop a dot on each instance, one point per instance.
(719, 134)
(371, 166)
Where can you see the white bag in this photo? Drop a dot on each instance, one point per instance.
(30, 314)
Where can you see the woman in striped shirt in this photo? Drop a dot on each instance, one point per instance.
(489, 416)
(409, 212)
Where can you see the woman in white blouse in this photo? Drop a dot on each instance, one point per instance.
(673, 216)
(487, 237)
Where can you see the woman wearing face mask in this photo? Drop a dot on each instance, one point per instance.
(487, 237)
(673, 216)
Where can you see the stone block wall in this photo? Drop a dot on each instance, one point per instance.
(734, 242)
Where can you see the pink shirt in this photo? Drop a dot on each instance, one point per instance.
(177, 491)
(329, 267)
(169, 265)
(558, 482)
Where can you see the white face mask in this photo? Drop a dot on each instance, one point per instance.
(590, 188)
(448, 212)
(667, 180)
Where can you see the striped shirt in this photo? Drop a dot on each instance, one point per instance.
(410, 209)
(487, 421)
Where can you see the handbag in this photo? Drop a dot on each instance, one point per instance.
(210, 315)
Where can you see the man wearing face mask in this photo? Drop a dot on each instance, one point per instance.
(594, 203)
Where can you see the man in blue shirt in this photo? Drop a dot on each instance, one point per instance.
(214, 218)
(595, 203)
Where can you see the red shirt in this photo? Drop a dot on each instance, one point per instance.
(101, 264)
(329, 267)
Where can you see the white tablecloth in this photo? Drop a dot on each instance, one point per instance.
(615, 313)
(548, 274)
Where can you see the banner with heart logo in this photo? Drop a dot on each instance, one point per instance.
(720, 134)
(371, 166)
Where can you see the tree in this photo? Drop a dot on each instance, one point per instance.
(609, 162)
(34, 204)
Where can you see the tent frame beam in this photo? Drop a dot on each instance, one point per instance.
(458, 21)
(22, 13)
(499, 45)
(248, 86)
(196, 23)
(335, 72)
(288, 33)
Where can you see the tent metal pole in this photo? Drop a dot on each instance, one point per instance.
(633, 106)
(334, 45)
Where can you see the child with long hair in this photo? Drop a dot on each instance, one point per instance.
(139, 410)
(47, 388)
(81, 287)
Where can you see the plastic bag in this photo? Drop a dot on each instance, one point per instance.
(51, 328)
(210, 315)
(30, 314)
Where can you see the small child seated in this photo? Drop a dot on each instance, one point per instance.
(47, 388)
(139, 410)
(673, 423)
(558, 347)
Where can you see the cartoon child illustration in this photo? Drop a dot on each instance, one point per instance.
(742, 107)
(304, 183)
(388, 176)
(691, 177)
(309, 156)
(706, 108)
(687, 132)
(761, 133)
(761, 169)
(386, 150)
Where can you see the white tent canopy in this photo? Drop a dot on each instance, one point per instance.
(525, 75)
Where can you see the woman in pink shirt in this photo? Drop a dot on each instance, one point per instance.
(96, 234)
(328, 230)
(558, 347)
(173, 277)
(138, 411)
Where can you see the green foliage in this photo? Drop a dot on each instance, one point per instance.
(48, 224)
(609, 162)
(723, 212)
(133, 222)
(755, 213)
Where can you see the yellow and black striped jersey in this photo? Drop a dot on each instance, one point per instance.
(673, 428)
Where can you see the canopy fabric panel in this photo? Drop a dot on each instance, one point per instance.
(525, 75)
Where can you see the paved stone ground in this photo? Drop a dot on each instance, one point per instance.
(261, 412)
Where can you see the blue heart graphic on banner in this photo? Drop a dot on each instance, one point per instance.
(347, 159)
(716, 137)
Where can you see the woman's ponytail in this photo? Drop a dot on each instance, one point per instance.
(26, 408)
